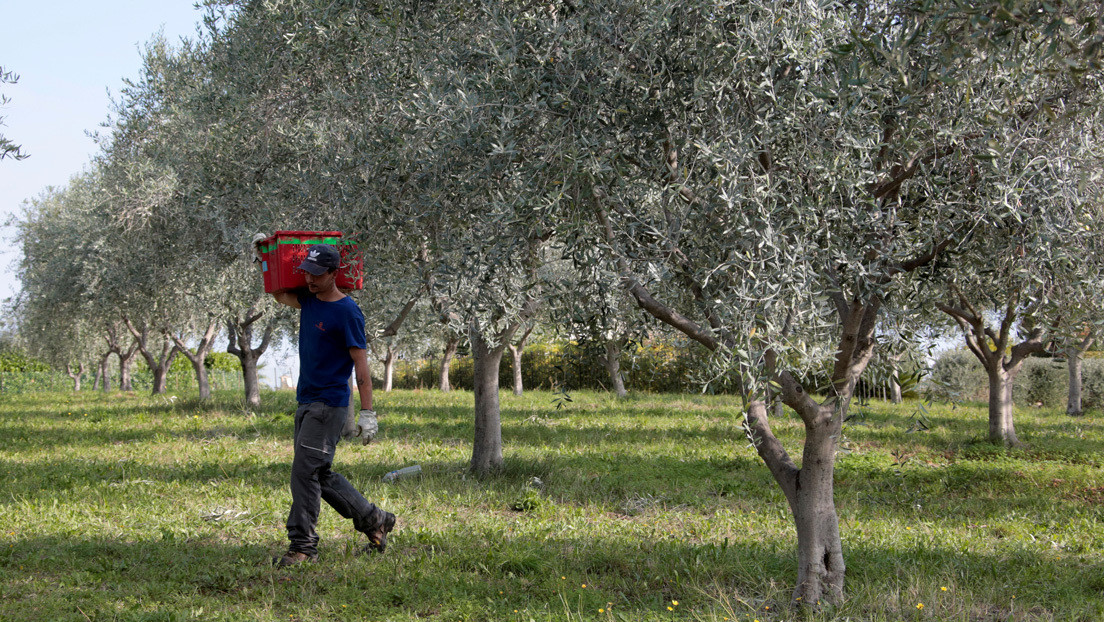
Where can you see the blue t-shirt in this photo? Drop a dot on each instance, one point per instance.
(326, 332)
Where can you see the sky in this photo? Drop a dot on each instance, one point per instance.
(72, 57)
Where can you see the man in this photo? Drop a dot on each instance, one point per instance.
(331, 345)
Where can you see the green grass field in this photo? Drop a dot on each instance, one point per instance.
(127, 507)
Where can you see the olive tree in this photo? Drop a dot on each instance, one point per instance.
(1040, 249)
(768, 176)
(58, 308)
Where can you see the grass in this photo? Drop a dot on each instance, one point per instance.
(125, 507)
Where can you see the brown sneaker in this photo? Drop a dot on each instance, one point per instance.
(292, 558)
(377, 537)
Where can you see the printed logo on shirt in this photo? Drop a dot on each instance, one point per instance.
(320, 327)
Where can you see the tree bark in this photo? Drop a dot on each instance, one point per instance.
(516, 350)
(126, 382)
(199, 357)
(103, 378)
(240, 344)
(895, 386)
(451, 345)
(895, 379)
(76, 375)
(158, 365)
(125, 356)
(389, 368)
(1002, 428)
(1074, 362)
(515, 360)
(1073, 401)
(487, 448)
(613, 367)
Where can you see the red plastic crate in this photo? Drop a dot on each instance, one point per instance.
(282, 253)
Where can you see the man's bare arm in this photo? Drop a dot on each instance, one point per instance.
(363, 377)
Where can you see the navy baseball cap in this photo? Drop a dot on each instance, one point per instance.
(321, 258)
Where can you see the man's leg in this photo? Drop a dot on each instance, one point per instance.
(313, 455)
(340, 494)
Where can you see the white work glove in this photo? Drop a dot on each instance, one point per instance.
(367, 426)
(257, 239)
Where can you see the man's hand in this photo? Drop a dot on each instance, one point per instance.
(367, 426)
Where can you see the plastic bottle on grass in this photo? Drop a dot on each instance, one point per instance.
(402, 473)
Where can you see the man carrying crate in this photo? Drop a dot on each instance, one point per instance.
(331, 346)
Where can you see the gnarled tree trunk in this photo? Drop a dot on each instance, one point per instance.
(389, 367)
(1002, 427)
(516, 350)
(613, 367)
(240, 344)
(126, 381)
(990, 347)
(1074, 363)
(76, 375)
(125, 356)
(103, 377)
(487, 448)
(159, 365)
(199, 357)
(451, 345)
(810, 492)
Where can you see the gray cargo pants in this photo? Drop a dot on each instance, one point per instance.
(317, 432)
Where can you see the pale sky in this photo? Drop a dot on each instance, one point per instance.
(71, 57)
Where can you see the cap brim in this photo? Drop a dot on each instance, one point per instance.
(313, 268)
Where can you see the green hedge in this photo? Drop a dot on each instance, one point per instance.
(655, 367)
(17, 361)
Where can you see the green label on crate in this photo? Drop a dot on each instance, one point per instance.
(330, 241)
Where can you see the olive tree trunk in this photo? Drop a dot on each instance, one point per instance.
(1002, 426)
(451, 345)
(613, 367)
(515, 360)
(487, 448)
(240, 344)
(126, 355)
(126, 380)
(1074, 363)
(389, 367)
(810, 492)
(895, 379)
(1000, 359)
(895, 387)
(387, 333)
(809, 489)
(159, 365)
(516, 350)
(198, 358)
(76, 374)
(103, 377)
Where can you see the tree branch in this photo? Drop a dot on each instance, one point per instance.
(772, 452)
(644, 298)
